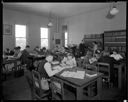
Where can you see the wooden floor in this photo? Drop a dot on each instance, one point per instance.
(18, 89)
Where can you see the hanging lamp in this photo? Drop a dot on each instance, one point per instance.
(50, 24)
(112, 12)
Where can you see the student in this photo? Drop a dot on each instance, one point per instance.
(25, 55)
(46, 69)
(95, 46)
(116, 55)
(17, 52)
(37, 50)
(7, 51)
(82, 48)
(69, 61)
(12, 51)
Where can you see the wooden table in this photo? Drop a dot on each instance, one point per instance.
(6, 70)
(119, 67)
(79, 84)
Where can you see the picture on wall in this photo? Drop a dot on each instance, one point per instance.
(7, 29)
(57, 41)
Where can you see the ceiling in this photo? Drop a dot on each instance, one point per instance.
(59, 9)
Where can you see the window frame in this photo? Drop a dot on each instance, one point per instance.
(21, 37)
(44, 38)
(65, 39)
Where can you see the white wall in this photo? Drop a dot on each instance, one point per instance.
(33, 22)
(95, 22)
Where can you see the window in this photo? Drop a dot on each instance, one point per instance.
(44, 37)
(66, 39)
(20, 36)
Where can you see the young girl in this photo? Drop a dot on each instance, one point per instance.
(69, 61)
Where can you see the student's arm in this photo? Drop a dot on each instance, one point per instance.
(49, 70)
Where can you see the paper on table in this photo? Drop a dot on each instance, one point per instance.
(78, 74)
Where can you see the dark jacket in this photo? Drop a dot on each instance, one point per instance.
(25, 59)
(41, 70)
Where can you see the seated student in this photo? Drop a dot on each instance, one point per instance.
(116, 55)
(17, 52)
(46, 69)
(25, 55)
(69, 61)
(87, 57)
(95, 57)
(7, 51)
(107, 59)
(44, 51)
(12, 52)
(37, 50)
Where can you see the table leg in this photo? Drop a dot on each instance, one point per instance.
(119, 77)
(99, 87)
(79, 93)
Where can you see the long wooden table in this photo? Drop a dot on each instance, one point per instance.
(80, 84)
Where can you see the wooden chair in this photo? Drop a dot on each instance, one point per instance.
(39, 93)
(91, 67)
(19, 70)
(30, 83)
(105, 69)
(57, 89)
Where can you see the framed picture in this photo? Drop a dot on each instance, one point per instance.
(7, 29)
(57, 41)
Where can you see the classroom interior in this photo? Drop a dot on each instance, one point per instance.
(80, 38)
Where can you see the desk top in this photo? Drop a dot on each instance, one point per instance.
(6, 61)
(79, 82)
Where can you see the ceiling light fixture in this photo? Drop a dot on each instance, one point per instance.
(112, 12)
(50, 24)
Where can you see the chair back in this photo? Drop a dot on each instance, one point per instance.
(57, 89)
(104, 68)
(36, 79)
(39, 93)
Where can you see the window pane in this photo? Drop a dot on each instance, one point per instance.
(44, 43)
(21, 42)
(66, 42)
(66, 35)
(20, 31)
(44, 32)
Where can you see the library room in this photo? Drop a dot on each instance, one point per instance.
(64, 51)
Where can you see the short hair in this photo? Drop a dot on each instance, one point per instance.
(7, 49)
(27, 46)
(115, 50)
(37, 46)
(18, 47)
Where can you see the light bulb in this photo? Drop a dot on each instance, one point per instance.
(114, 11)
(50, 24)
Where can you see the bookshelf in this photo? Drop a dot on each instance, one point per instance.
(115, 39)
(88, 39)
